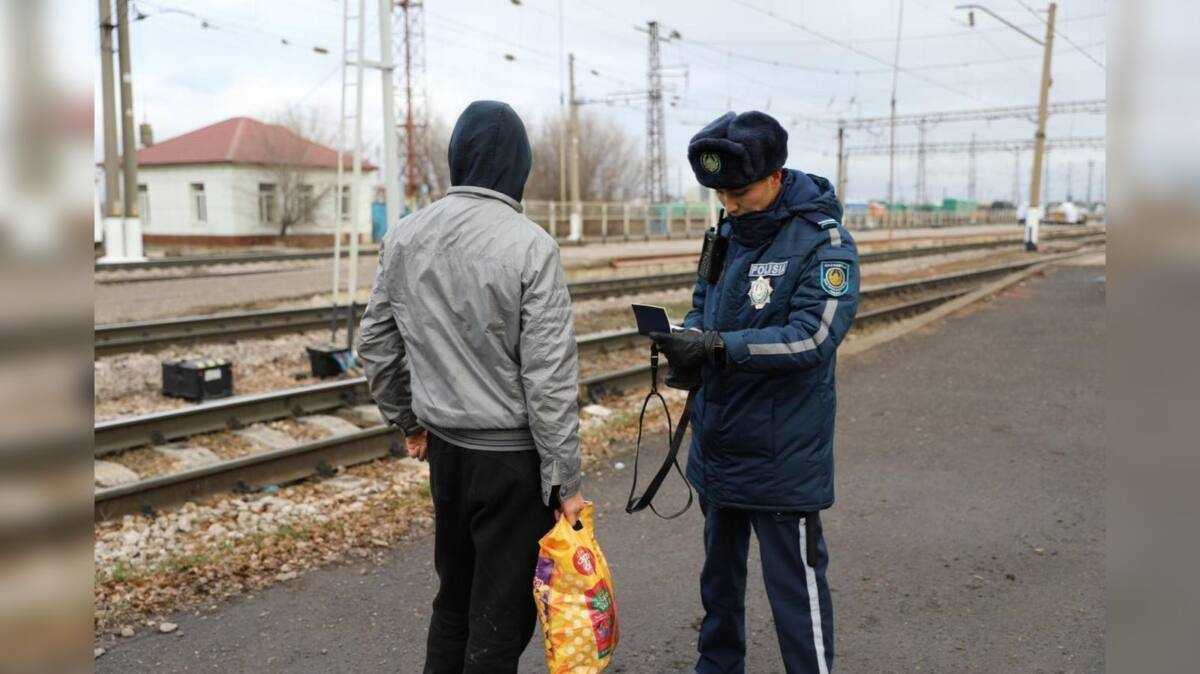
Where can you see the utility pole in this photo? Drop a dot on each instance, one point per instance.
(132, 224)
(562, 103)
(1070, 181)
(841, 164)
(1016, 193)
(892, 134)
(1033, 215)
(1091, 166)
(1046, 176)
(576, 222)
(353, 18)
(971, 171)
(108, 112)
(391, 154)
(414, 101)
(655, 154)
(920, 195)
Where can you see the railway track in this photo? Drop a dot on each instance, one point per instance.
(114, 338)
(320, 457)
(184, 261)
(190, 261)
(875, 256)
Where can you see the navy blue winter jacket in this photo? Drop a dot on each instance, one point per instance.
(762, 424)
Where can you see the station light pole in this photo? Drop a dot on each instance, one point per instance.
(1033, 213)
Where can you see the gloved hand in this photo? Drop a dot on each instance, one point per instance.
(689, 349)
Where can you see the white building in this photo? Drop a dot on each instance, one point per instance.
(234, 183)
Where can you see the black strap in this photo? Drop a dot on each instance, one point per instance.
(638, 503)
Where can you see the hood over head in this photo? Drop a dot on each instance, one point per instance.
(489, 148)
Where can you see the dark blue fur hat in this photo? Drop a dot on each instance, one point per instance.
(735, 150)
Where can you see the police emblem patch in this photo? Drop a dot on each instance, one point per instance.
(835, 278)
(711, 162)
(760, 292)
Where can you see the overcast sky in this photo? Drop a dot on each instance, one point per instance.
(832, 60)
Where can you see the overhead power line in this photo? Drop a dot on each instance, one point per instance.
(207, 23)
(778, 63)
(966, 147)
(1066, 39)
(1096, 106)
(920, 37)
(849, 47)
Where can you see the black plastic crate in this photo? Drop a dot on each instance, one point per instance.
(197, 378)
(328, 360)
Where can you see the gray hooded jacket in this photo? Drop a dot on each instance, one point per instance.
(468, 330)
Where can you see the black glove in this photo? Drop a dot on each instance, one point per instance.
(690, 349)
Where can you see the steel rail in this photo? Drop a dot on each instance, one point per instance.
(124, 337)
(155, 428)
(320, 457)
(230, 258)
(247, 472)
(268, 256)
(232, 413)
(116, 338)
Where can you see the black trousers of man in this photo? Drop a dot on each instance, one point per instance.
(488, 517)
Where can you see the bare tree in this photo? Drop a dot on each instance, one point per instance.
(610, 164)
(438, 172)
(292, 153)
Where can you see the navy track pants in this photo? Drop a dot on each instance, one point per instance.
(798, 592)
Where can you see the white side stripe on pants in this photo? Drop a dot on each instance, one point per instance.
(814, 602)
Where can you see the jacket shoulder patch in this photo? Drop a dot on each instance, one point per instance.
(835, 277)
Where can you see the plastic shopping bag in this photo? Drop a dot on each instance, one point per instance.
(573, 590)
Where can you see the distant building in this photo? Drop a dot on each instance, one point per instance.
(243, 182)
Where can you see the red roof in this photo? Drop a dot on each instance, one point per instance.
(242, 140)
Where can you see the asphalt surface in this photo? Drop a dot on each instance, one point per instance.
(968, 533)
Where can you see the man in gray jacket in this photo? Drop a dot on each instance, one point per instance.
(469, 348)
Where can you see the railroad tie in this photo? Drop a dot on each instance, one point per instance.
(368, 414)
(109, 474)
(264, 438)
(186, 457)
(335, 425)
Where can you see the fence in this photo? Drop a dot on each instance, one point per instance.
(622, 221)
(909, 218)
(633, 221)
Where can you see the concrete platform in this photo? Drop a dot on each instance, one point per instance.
(968, 535)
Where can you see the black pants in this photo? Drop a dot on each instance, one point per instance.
(488, 517)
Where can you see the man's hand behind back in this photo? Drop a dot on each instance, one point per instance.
(417, 444)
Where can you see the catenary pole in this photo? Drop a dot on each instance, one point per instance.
(391, 154)
(892, 133)
(576, 231)
(112, 186)
(128, 140)
(841, 164)
(1033, 214)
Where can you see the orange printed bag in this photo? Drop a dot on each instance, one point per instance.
(573, 590)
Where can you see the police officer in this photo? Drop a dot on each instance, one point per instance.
(764, 336)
